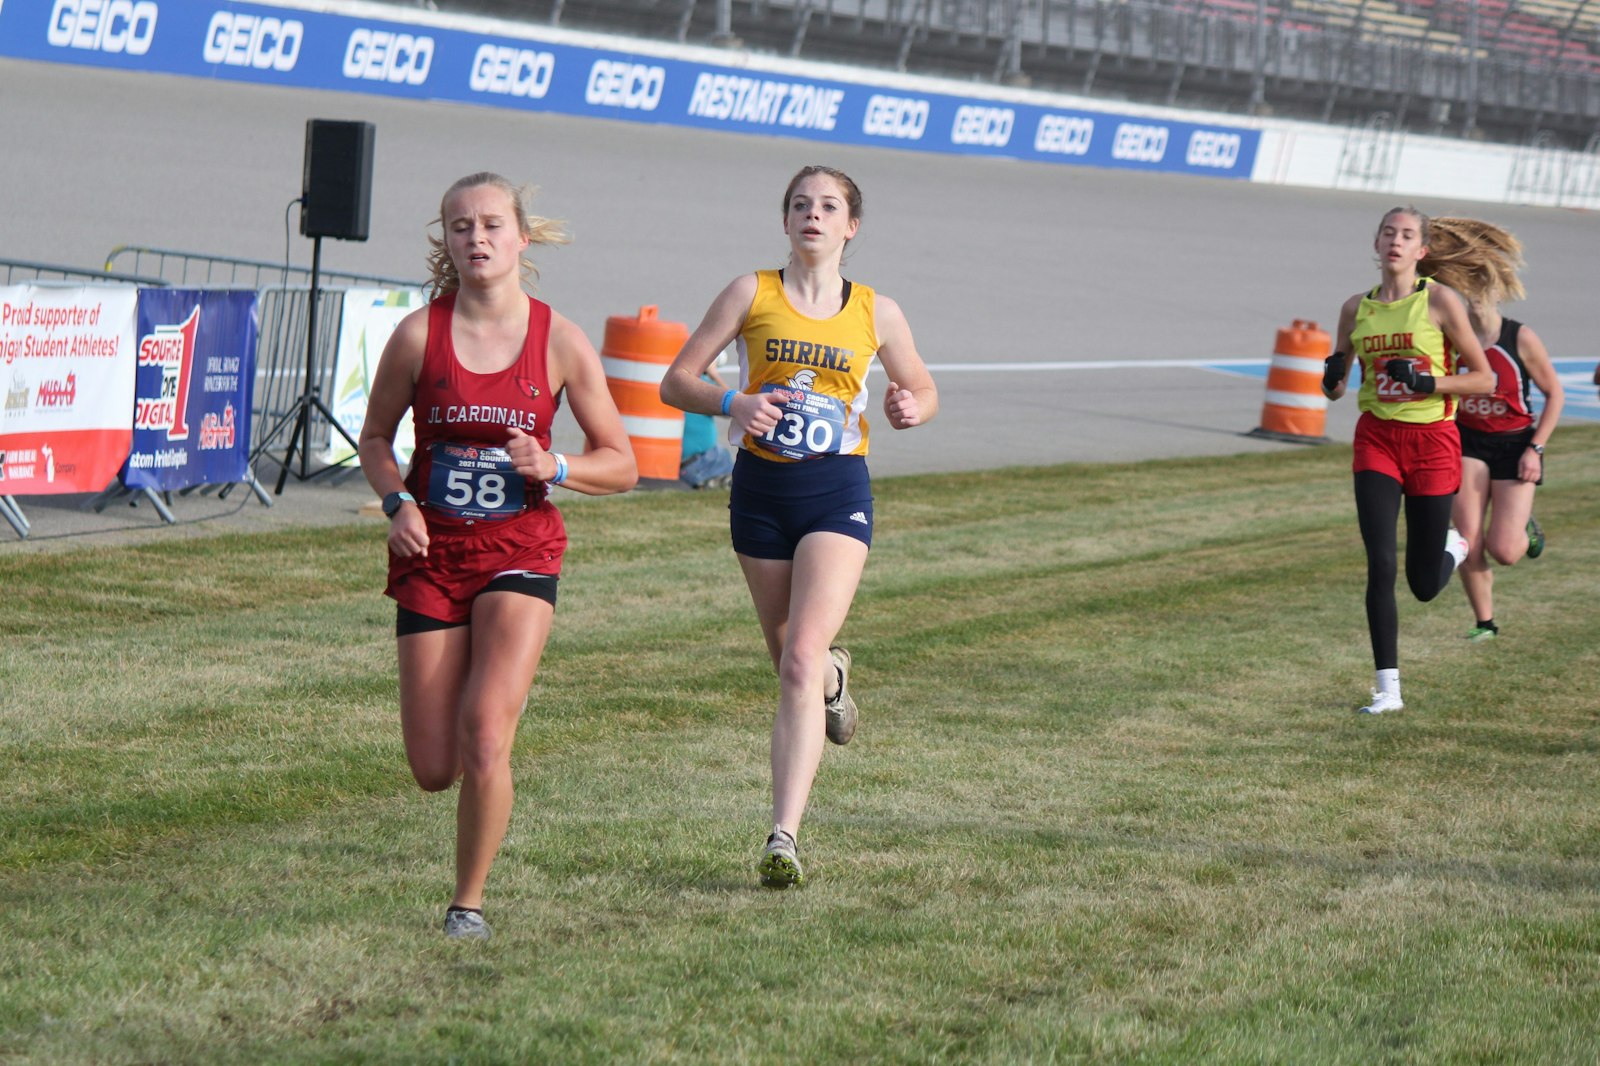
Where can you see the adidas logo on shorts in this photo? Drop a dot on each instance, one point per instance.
(859, 516)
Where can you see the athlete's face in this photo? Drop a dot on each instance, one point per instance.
(483, 232)
(818, 219)
(1399, 244)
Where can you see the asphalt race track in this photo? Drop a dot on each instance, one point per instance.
(996, 263)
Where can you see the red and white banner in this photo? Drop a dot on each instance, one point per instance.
(67, 364)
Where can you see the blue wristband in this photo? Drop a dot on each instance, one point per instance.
(561, 468)
(727, 400)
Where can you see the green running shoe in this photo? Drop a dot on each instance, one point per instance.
(780, 863)
(1535, 538)
(1477, 633)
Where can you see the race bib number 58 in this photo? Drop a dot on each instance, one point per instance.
(470, 482)
(811, 424)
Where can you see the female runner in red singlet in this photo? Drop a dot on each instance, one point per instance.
(1502, 443)
(475, 544)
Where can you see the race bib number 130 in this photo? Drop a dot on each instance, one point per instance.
(812, 424)
(470, 482)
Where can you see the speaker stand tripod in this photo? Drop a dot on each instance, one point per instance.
(310, 400)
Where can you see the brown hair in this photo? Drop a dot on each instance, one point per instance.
(852, 194)
(443, 275)
(1423, 222)
(1477, 259)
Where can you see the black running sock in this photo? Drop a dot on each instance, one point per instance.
(1489, 625)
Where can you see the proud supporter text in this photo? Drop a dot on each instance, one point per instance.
(80, 347)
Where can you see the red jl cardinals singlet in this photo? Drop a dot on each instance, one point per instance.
(459, 471)
(484, 518)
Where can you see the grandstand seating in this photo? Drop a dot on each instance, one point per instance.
(1534, 64)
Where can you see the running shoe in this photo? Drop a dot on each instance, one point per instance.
(841, 709)
(1383, 703)
(780, 863)
(462, 924)
(1535, 538)
(1457, 545)
(1477, 633)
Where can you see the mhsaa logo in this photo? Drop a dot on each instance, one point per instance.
(58, 394)
(119, 27)
(171, 348)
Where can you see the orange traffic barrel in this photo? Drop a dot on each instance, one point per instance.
(1295, 409)
(636, 354)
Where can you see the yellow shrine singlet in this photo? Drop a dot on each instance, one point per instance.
(818, 364)
(1401, 330)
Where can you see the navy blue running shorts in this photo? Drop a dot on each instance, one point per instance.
(772, 505)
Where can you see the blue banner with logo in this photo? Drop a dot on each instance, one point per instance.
(193, 388)
(430, 58)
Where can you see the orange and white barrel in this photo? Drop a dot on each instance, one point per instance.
(1295, 409)
(636, 354)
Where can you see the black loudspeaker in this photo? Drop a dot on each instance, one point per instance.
(337, 189)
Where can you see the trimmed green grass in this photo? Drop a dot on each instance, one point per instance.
(1110, 800)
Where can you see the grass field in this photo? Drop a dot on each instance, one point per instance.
(1110, 800)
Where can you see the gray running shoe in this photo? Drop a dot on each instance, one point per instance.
(780, 863)
(841, 709)
(461, 924)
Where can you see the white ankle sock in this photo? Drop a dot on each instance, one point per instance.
(1389, 681)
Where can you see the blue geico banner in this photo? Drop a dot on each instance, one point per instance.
(192, 392)
(323, 49)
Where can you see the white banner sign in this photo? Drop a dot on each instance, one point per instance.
(67, 362)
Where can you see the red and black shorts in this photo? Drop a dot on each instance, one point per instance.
(1425, 457)
(461, 564)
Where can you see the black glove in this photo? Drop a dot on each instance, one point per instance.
(1401, 371)
(1333, 371)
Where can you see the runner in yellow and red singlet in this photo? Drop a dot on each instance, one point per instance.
(1418, 354)
(801, 500)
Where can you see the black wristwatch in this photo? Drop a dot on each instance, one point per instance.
(392, 502)
(1538, 448)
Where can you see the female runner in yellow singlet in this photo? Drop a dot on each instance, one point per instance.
(1411, 336)
(801, 501)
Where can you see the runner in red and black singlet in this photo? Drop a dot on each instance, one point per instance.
(475, 543)
(1411, 337)
(1502, 441)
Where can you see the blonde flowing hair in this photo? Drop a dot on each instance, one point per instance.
(444, 277)
(1477, 259)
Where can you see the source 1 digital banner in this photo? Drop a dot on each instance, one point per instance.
(195, 383)
(66, 359)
